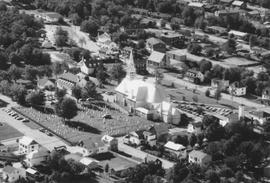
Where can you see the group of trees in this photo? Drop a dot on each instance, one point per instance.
(19, 40)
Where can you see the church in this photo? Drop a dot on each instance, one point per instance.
(144, 98)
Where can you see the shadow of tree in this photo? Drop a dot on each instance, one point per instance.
(83, 127)
(104, 156)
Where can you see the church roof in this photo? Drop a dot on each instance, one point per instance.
(139, 90)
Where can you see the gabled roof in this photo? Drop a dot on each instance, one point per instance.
(44, 81)
(87, 161)
(154, 41)
(198, 154)
(174, 146)
(226, 1)
(41, 152)
(156, 57)
(53, 15)
(27, 141)
(195, 4)
(237, 3)
(159, 129)
(176, 52)
(69, 77)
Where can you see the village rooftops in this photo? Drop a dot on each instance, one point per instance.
(52, 15)
(156, 56)
(173, 146)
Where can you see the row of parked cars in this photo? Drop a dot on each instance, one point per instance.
(16, 116)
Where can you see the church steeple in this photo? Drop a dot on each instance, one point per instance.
(131, 70)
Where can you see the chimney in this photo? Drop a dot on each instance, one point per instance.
(241, 111)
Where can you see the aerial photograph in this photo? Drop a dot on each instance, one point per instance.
(134, 91)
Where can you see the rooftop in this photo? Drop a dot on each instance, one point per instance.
(239, 62)
(238, 3)
(156, 56)
(27, 141)
(174, 146)
(198, 154)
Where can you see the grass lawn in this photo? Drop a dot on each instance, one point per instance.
(8, 132)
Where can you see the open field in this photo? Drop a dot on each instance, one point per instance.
(8, 132)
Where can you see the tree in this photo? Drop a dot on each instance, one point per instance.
(106, 168)
(212, 177)
(90, 26)
(18, 93)
(30, 73)
(195, 98)
(14, 72)
(36, 99)
(59, 68)
(117, 72)
(89, 90)
(207, 93)
(77, 92)
(60, 94)
(67, 108)
(192, 140)
(194, 48)
(178, 173)
(76, 19)
(61, 37)
(101, 75)
(230, 46)
(205, 65)
(217, 94)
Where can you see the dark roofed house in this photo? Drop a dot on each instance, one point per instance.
(226, 2)
(154, 44)
(45, 83)
(159, 130)
(194, 76)
(266, 95)
(67, 81)
(199, 158)
(173, 39)
(237, 89)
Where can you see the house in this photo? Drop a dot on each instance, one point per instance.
(135, 138)
(88, 66)
(199, 158)
(12, 174)
(45, 83)
(195, 128)
(176, 150)
(228, 12)
(237, 89)
(24, 82)
(226, 2)
(154, 44)
(89, 163)
(159, 130)
(110, 141)
(169, 113)
(194, 76)
(266, 95)
(104, 40)
(68, 80)
(50, 17)
(259, 116)
(196, 5)
(157, 59)
(216, 29)
(173, 39)
(37, 157)
(238, 34)
(27, 145)
(175, 56)
(150, 138)
(239, 4)
(220, 83)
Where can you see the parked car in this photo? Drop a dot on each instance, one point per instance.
(42, 130)
(26, 121)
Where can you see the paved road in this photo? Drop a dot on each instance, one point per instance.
(41, 138)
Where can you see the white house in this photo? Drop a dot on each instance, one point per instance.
(110, 141)
(89, 162)
(150, 138)
(174, 149)
(11, 174)
(36, 157)
(169, 113)
(27, 145)
(157, 59)
(237, 90)
(45, 83)
(199, 158)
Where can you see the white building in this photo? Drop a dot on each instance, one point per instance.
(37, 157)
(142, 97)
(89, 162)
(27, 145)
(199, 158)
(237, 90)
(174, 149)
